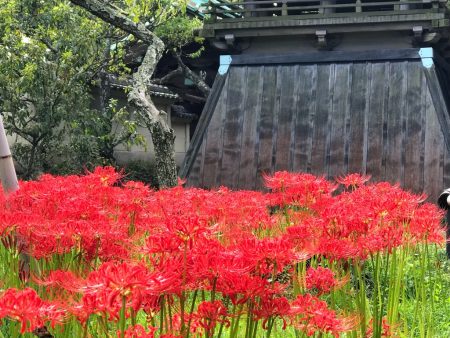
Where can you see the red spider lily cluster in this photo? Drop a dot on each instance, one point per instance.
(192, 262)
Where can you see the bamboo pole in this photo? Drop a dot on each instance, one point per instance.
(8, 175)
(10, 184)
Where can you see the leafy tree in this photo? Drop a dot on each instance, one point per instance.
(50, 52)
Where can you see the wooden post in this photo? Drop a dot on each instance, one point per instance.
(284, 8)
(8, 175)
(213, 9)
(444, 203)
(435, 4)
(358, 8)
(324, 9)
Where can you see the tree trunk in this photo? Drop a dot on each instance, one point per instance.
(163, 142)
(163, 137)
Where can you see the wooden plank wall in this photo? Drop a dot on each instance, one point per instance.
(374, 118)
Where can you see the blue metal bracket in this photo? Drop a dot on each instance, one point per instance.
(225, 61)
(426, 54)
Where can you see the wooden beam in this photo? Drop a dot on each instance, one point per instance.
(439, 103)
(328, 56)
(333, 22)
(205, 118)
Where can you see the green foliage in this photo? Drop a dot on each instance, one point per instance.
(51, 55)
(143, 171)
(48, 51)
(153, 13)
(179, 31)
(430, 316)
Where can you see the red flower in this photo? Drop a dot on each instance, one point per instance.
(353, 180)
(321, 279)
(272, 307)
(209, 314)
(138, 331)
(298, 188)
(313, 315)
(26, 307)
(387, 331)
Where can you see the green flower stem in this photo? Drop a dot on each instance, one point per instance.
(122, 319)
(361, 298)
(161, 316)
(191, 310)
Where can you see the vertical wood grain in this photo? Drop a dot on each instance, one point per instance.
(341, 108)
(213, 140)
(266, 123)
(415, 94)
(358, 108)
(304, 127)
(325, 76)
(396, 107)
(376, 117)
(232, 133)
(250, 137)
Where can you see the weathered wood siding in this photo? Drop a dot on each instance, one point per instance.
(376, 118)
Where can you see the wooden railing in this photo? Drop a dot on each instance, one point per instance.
(227, 10)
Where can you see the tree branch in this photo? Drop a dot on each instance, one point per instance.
(198, 81)
(49, 45)
(165, 79)
(113, 15)
(139, 95)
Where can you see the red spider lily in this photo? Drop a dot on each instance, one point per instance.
(320, 278)
(57, 215)
(138, 331)
(270, 308)
(271, 255)
(93, 304)
(337, 249)
(104, 289)
(425, 224)
(238, 245)
(387, 331)
(313, 315)
(122, 280)
(353, 180)
(151, 304)
(241, 288)
(107, 176)
(209, 314)
(305, 236)
(188, 227)
(298, 189)
(26, 307)
(59, 280)
(211, 260)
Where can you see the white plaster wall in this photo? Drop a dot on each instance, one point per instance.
(124, 154)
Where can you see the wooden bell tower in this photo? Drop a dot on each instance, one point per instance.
(328, 87)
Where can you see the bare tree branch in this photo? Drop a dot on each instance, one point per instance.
(113, 15)
(198, 81)
(165, 79)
